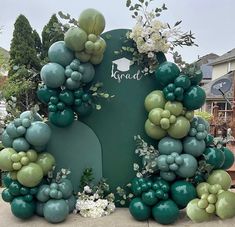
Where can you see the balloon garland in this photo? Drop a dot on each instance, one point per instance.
(65, 90)
(184, 141)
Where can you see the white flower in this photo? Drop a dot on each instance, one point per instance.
(87, 189)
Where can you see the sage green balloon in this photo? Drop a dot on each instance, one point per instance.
(66, 188)
(168, 145)
(38, 134)
(71, 201)
(6, 139)
(46, 161)
(55, 211)
(43, 193)
(180, 128)
(39, 208)
(175, 108)
(30, 115)
(221, 177)
(20, 144)
(189, 166)
(202, 188)
(195, 213)
(53, 75)
(60, 54)
(225, 205)
(5, 159)
(155, 99)
(193, 146)
(154, 131)
(30, 175)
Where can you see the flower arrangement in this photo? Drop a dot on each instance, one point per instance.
(151, 36)
(95, 200)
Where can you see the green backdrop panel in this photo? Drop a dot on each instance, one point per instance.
(76, 148)
(123, 116)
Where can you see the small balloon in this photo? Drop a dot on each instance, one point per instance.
(139, 210)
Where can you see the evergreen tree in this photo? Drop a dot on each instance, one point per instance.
(37, 42)
(51, 33)
(22, 51)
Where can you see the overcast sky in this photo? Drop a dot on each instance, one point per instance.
(212, 21)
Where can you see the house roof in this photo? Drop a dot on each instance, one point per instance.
(207, 87)
(230, 55)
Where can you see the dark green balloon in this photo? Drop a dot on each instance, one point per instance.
(165, 212)
(182, 192)
(63, 118)
(149, 198)
(229, 158)
(7, 196)
(209, 139)
(183, 82)
(14, 188)
(22, 209)
(166, 73)
(139, 210)
(214, 157)
(66, 96)
(83, 110)
(7, 180)
(196, 78)
(194, 98)
(44, 94)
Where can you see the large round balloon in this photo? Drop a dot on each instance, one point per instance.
(66, 188)
(175, 108)
(44, 94)
(30, 175)
(55, 211)
(5, 159)
(92, 21)
(20, 144)
(214, 157)
(165, 212)
(6, 139)
(52, 74)
(63, 118)
(46, 161)
(225, 205)
(180, 128)
(155, 99)
(195, 213)
(229, 158)
(139, 210)
(166, 73)
(189, 166)
(22, 209)
(38, 134)
(220, 177)
(194, 98)
(193, 146)
(154, 131)
(168, 145)
(60, 54)
(182, 192)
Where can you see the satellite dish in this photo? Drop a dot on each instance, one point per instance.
(221, 86)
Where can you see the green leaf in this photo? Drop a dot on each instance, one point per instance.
(177, 23)
(108, 36)
(136, 13)
(146, 4)
(116, 52)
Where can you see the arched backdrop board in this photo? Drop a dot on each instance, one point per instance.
(123, 117)
(115, 125)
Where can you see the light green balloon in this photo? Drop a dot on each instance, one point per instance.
(180, 128)
(225, 205)
(154, 100)
(46, 161)
(155, 115)
(154, 131)
(5, 159)
(175, 108)
(195, 213)
(30, 175)
(202, 188)
(220, 177)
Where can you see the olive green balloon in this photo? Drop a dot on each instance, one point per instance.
(154, 131)
(202, 188)
(175, 108)
(221, 177)
(225, 205)
(46, 161)
(180, 128)
(195, 213)
(30, 175)
(154, 100)
(155, 115)
(5, 159)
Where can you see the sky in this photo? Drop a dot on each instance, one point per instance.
(212, 21)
